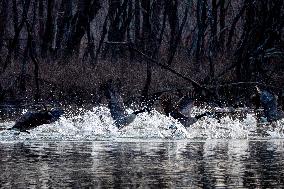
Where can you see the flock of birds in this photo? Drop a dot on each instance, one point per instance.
(181, 111)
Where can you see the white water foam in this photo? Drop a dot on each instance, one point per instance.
(97, 124)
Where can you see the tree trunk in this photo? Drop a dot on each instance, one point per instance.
(3, 21)
(41, 19)
(15, 24)
(137, 16)
(146, 32)
(201, 25)
(120, 17)
(63, 23)
(114, 18)
(49, 29)
(234, 23)
(214, 24)
(86, 11)
(178, 38)
(262, 20)
(156, 27)
(173, 19)
(33, 56)
(18, 30)
(222, 24)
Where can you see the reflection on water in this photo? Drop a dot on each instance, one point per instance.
(151, 164)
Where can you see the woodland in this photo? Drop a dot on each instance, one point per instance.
(63, 50)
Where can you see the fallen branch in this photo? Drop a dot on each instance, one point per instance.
(194, 83)
(243, 83)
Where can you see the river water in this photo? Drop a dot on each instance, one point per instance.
(143, 164)
(87, 151)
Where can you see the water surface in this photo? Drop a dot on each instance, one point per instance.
(155, 151)
(144, 164)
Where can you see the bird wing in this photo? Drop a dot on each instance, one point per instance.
(184, 106)
(30, 120)
(116, 106)
(124, 121)
(269, 103)
(55, 114)
(177, 115)
(115, 103)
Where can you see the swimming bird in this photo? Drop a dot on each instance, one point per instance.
(116, 106)
(269, 102)
(31, 120)
(182, 111)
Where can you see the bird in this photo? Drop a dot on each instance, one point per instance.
(116, 106)
(182, 110)
(268, 101)
(31, 120)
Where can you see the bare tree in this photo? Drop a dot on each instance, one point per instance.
(49, 29)
(3, 21)
(18, 30)
(63, 23)
(86, 12)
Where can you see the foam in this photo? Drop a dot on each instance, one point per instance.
(97, 124)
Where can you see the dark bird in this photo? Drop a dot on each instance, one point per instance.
(269, 103)
(182, 110)
(116, 106)
(31, 120)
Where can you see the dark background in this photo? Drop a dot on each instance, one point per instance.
(62, 50)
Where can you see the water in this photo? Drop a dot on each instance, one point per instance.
(87, 151)
(152, 164)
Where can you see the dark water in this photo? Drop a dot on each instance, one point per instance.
(142, 164)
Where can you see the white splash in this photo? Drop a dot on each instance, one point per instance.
(97, 124)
